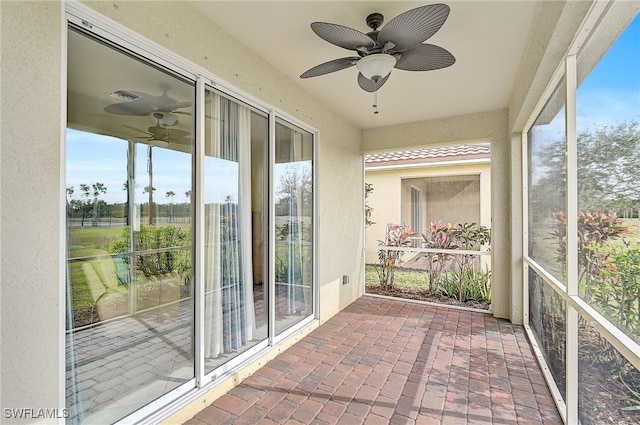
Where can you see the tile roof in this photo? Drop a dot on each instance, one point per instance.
(428, 155)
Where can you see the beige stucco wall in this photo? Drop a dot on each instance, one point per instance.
(386, 196)
(30, 225)
(32, 191)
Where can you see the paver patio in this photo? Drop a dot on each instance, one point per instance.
(383, 361)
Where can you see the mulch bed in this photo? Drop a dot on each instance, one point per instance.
(422, 295)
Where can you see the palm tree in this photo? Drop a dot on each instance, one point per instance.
(171, 194)
(70, 190)
(188, 195)
(95, 190)
(150, 189)
(125, 187)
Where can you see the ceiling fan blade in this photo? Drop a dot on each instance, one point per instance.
(171, 107)
(370, 85)
(425, 57)
(331, 66)
(413, 26)
(174, 134)
(342, 36)
(132, 108)
(137, 129)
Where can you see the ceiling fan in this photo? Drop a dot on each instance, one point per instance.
(399, 44)
(160, 134)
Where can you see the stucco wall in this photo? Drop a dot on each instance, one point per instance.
(31, 206)
(32, 191)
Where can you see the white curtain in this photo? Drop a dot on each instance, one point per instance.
(295, 303)
(229, 306)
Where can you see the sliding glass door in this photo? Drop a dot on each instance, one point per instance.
(190, 230)
(293, 204)
(236, 139)
(130, 305)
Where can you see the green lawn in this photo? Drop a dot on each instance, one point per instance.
(404, 278)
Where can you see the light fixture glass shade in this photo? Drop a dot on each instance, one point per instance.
(376, 66)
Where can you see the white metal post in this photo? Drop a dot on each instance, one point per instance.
(572, 241)
(197, 203)
(271, 239)
(524, 155)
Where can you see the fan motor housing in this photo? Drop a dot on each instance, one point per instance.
(374, 20)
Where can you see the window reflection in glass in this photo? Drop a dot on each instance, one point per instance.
(129, 249)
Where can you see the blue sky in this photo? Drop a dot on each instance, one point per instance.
(94, 158)
(611, 91)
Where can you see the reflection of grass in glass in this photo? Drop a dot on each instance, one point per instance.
(100, 237)
(81, 295)
(87, 241)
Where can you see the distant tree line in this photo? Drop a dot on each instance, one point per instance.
(608, 171)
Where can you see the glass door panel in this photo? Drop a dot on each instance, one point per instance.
(293, 203)
(129, 172)
(234, 181)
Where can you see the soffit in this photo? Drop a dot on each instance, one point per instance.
(488, 39)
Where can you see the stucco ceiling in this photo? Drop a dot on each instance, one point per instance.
(487, 38)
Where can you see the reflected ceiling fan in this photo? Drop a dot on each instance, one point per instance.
(161, 134)
(399, 44)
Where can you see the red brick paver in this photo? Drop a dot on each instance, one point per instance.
(385, 361)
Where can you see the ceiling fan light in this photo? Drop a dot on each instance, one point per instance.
(376, 66)
(158, 143)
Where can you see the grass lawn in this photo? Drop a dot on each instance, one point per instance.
(404, 278)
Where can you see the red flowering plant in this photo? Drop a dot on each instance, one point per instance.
(437, 236)
(397, 235)
(595, 230)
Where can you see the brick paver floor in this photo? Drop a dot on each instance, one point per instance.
(382, 361)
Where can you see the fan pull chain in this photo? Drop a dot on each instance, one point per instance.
(375, 102)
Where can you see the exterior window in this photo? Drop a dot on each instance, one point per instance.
(416, 212)
(129, 270)
(451, 199)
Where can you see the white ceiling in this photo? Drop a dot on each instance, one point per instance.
(487, 38)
